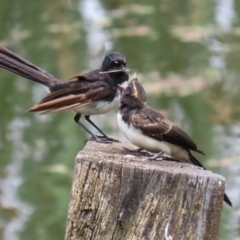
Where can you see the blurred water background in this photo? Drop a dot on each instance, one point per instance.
(187, 54)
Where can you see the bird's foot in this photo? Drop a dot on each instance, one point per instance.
(138, 150)
(107, 138)
(160, 157)
(157, 157)
(99, 139)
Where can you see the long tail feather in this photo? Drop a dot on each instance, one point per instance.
(197, 163)
(18, 65)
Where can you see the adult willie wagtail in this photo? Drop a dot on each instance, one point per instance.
(93, 93)
(150, 130)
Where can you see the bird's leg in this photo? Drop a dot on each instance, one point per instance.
(103, 134)
(93, 137)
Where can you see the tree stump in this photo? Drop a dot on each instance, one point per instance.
(117, 195)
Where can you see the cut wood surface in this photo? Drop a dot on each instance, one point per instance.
(121, 195)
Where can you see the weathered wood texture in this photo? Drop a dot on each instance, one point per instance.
(118, 196)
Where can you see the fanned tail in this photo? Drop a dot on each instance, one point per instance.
(18, 65)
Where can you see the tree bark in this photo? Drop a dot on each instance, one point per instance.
(117, 195)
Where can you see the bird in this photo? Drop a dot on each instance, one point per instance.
(93, 93)
(151, 131)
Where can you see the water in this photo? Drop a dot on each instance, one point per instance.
(187, 54)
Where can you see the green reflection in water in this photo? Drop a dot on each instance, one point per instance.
(172, 44)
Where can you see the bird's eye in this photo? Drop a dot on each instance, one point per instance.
(114, 63)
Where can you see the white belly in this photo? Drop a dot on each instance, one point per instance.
(100, 107)
(136, 137)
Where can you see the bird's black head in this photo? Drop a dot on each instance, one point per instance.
(114, 61)
(134, 95)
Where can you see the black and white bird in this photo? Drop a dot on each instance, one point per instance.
(150, 130)
(93, 93)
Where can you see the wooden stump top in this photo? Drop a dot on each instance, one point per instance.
(120, 195)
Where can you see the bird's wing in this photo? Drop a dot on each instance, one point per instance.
(77, 85)
(155, 125)
(73, 96)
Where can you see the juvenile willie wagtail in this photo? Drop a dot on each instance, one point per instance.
(150, 130)
(93, 93)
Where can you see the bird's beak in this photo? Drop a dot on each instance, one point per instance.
(124, 69)
(134, 76)
(121, 88)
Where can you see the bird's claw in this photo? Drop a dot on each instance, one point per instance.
(157, 157)
(138, 150)
(107, 138)
(160, 157)
(101, 139)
